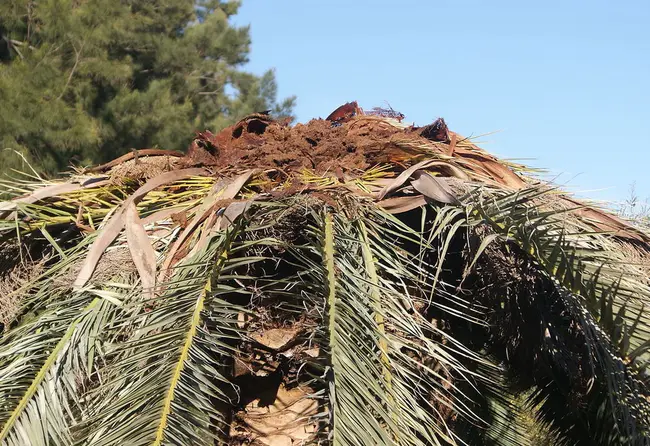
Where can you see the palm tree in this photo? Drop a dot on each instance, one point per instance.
(352, 281)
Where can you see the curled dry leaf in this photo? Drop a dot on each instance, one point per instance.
(217, 193)
(397, 205)
(105, 237)
(449, 170)
(141, 249)
(51, 191)
(481, 162)
(402, 177)
(109, 233)
(434, 188)
(233, 210)
(165, 178)
(233, 188)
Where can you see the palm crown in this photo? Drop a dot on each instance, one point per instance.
(350, 281)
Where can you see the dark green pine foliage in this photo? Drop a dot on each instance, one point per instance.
(82, 82)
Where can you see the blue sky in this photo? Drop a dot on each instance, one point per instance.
(566, 85)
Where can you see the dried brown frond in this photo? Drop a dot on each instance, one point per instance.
(13, 280)
(142, 169)
(115, 265)
(285, 422)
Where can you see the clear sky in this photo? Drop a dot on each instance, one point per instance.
(564, 83)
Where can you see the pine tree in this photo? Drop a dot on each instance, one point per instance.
(83, 82)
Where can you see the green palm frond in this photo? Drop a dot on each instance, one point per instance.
(614, 290)
(157, 385)
(514, 421)
(382, 354)
(59, 347)
(595, 287)
(46, 360)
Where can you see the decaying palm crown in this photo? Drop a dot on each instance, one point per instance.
(355, 281)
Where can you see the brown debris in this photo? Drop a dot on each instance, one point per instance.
(489, 166)
(348, 142)
(277, 338)
(315, 145)
(10, 283)
(116, 264)
(284, 423)
(142, 168)
(436, 131)
(343, 146)
(345, 112)
(180, 219)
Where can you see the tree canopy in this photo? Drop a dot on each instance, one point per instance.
(83, 82)
(350, 281)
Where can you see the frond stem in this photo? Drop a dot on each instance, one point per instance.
(328, 248)
(167, 405)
